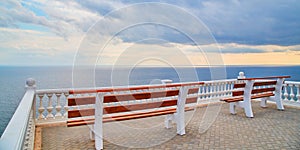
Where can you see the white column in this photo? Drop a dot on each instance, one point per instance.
(58, 106)
(41, 107)
(66, 107)
(298, 93)
(285, 94)
(50, 107)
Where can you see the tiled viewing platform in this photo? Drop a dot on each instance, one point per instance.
(269, 129)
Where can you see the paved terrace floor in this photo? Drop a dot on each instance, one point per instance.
(269, 129)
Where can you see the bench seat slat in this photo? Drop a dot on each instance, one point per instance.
(114, 116)
(123, 117)
(240, 98)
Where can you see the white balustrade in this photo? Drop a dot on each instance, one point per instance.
(56, 104)
(291, 93)
(214, 90)
(41, 107)
(50, 107)
(52, 104)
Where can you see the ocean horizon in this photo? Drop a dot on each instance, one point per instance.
(12, 78)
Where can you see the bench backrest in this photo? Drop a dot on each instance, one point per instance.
(120, 100)
(260, 85)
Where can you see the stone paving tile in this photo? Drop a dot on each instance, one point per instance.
(269, 129)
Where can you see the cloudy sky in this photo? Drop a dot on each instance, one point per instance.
(206, 32)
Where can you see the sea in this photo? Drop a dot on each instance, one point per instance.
(12, 78)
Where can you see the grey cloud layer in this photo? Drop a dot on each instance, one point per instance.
(252, 22)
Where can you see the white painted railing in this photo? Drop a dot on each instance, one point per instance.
(212, 91)
(291, 93)
(51, 105)
(19, 133)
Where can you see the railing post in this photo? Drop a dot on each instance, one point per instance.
(166, 81)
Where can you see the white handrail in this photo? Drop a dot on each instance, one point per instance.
(292, 82)
(15, 132)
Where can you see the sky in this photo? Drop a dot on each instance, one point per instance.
(168, 32)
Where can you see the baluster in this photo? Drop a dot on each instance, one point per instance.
(66, 107)
(50, 107)
(298, 93)
(292, 95)
(226, 89)
(41, 107)
(207, 91)
(221, 89)
(211, 90)
(58, 106)
(286, 93)
(217, 89)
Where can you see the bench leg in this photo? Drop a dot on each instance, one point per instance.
(168, 120)
(180, 126)
(263, 102)
(98, 126)
(99, 139)
(279, 102)
(232, 108)
(92, 134)
(278, 94)
(183, 92)
(248, 109)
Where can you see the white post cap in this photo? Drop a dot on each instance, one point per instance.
(241, 75)
(166, 81)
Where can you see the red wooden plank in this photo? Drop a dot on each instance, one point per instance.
(81, 113)
(81, 100)
(123, 117)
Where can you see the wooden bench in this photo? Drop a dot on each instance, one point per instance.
(266, 88)
(113, 104)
